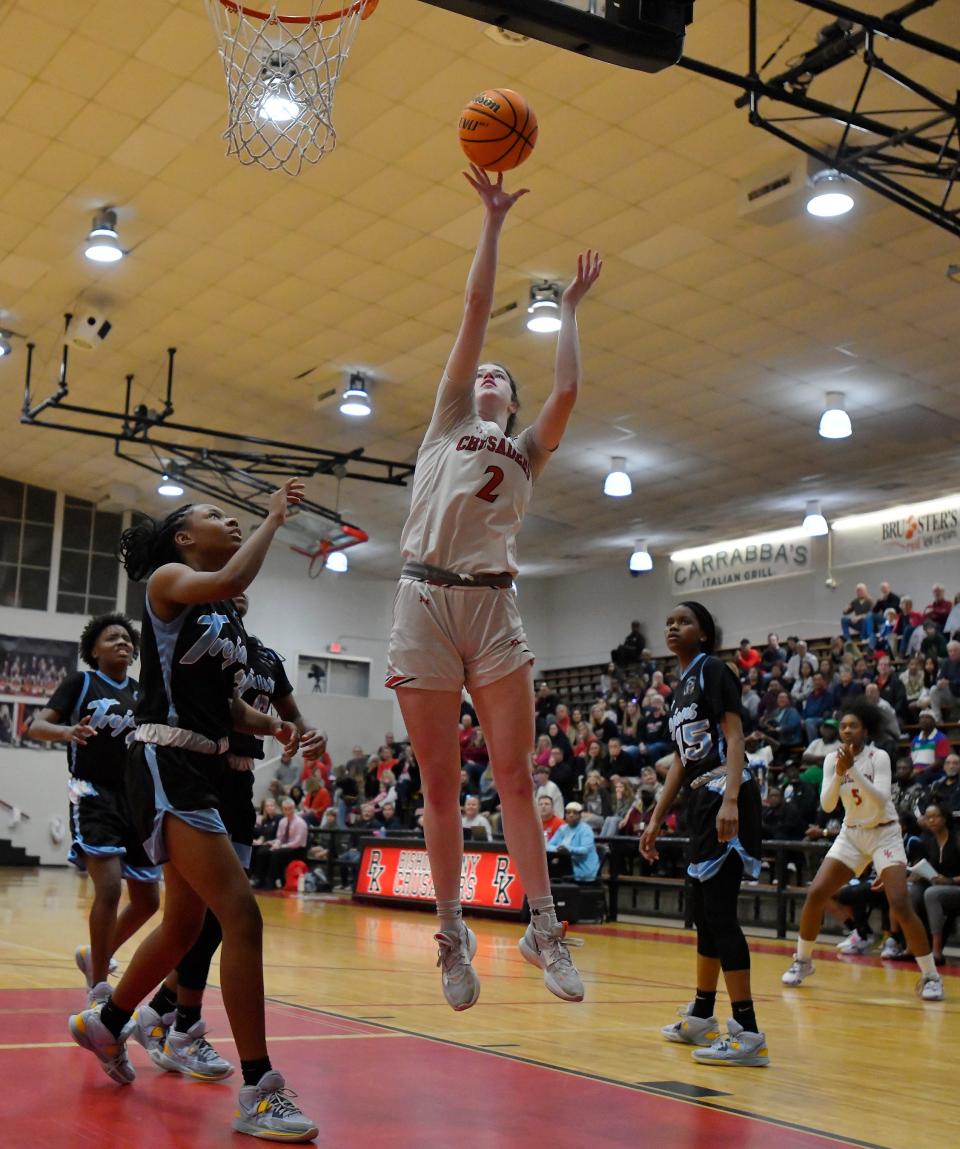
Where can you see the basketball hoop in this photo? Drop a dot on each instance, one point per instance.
(281, 74)
(339, 539)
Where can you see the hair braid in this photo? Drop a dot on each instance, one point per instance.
(149, 544)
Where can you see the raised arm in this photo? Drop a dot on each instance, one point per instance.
(550, 424)
(455, 394)
(881, 786)
(175, 584)
(830, 786)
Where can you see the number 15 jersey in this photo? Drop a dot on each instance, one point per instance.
(707, 690)
(471, 489)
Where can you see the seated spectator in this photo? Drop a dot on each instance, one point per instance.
(548, 818)
(544, 788)
(650, 787)
(931, 671)
(945, 790)
(910, 619)
(356, 764)
(780, 819)
(950, 667)
(545, 704)
(886, 600)
(759, 749)
(317, 798)
(933, 644)
(387, 790)
(784, 723)
(862, 672)
(541, 754)
(475, 756)
(489, 798)
(388, 758)
(631, 732)
(929, 746)
(799, 791)
(906, 790)
(610, 681)
(595, 801)
(819, 704)
(267, 821)
(747, 657)
(465, 787)
(838, 648)
(602, 724)
(572, 847)
(629, 651)
(938, 611)
(803, 686)
(768, 700)
(660, 685)
(317, 757)
(287, 771)
(296, 793)
(563, 719)
(891, 688)
(371, 779)
(559, 740)
(366, 820)
(655, 741)
(750, 705)
(562, 773)
(914, 687)
(475, 824)
(818, 748)
(888, 641)
(800, 656)
(939, 898)
(465, 732)
(622, 807)
(594, 759)
(290, 844)
(387, 817)
(773, 653)
(857, 617)
(943, 702)
(951, 628)
(617, 762)
(584, 737)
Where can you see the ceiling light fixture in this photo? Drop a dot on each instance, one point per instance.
(277, 103)
(355, 401)
(829, 196)
(6, 347)
(835, 422)
(103, 244)
(544, 308)
(640, 560)
(617, 484)
(813, 521)
(169, 485)
(337, 562)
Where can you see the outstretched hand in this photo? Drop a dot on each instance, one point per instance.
(285, 498)
(496, 199)
(589, 266)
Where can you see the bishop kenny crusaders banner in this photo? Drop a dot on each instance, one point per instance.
(400, 872)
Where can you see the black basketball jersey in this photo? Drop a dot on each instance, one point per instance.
(110, 707)
(264, 682)
(707, 690)
(191, 667)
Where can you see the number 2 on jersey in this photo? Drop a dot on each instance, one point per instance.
(486, 492)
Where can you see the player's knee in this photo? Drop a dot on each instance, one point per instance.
(145, 896)
(243, 921)
(107, 891)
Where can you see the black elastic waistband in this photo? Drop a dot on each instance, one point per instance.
(436, 576)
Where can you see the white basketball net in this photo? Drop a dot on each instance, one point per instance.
(281, 78)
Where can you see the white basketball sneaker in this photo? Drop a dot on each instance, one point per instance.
(800, 968)
(267, 1110)
(549, 950)
(456, 950)
(690, 1030)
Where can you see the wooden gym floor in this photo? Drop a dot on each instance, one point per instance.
(361, 1031)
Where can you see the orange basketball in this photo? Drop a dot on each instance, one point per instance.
(498, 130)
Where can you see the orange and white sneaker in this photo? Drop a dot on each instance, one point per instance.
(89, 1032)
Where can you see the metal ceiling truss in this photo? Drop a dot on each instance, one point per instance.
(913, 158)
(241, 470)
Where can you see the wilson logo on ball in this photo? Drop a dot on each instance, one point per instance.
(498, 130)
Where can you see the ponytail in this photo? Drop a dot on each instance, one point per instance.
(149, 544)
(515, 396)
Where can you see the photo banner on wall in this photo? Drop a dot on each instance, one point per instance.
(738, 563)
(31, 669)
(898, 533)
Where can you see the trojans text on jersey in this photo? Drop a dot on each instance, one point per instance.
(497, 445)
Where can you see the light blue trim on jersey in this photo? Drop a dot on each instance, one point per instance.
(704, 871)
(166, 635)
(208, 820)
(75, 718)
(244, 853)
(697, 661)
(141, 873)
(113, 682)
(79, 848)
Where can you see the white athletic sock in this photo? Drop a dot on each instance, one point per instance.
(928, 967)
(805, 949)
(544, 913)
(450, 914)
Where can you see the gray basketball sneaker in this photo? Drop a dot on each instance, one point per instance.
(800, 968)
(461, 986)
(690, 1030)
(89, 1032)
(267, 1110)
(549, 950)
(739, 1047)
(192, 1055)
(151, 1030)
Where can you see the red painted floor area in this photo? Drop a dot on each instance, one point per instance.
(367, 1087)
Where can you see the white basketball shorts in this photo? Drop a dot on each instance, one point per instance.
(857, 846)
(448, 637)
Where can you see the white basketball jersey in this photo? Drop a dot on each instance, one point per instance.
(471, 488)
(862, 809)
